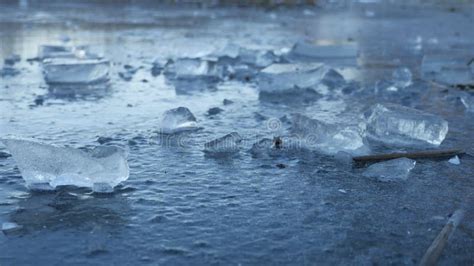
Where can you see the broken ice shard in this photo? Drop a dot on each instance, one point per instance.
(328, 138)
(192, 68)
(305, 50)
(227, 144)
(399, 125)
(284, 77)
(455, 160)
(468, 101)
(10, 227)
(75, 71)
(45, 166)
(256, 58)
(397, 169)
(178, 120)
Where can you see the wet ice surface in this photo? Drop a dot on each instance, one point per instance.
(181, 206)
(392, 170)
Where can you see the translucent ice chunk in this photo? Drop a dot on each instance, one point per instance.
(191, 68)
(397, 169)
(396, 124)
(9, 227)
(455, 160)
(256, 58)
(402, 77)
(45, 166)
(327, 138)
(229, 143)
(281, 77)
(75, 71)
(178, 120)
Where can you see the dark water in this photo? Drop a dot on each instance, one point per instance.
(181, 207)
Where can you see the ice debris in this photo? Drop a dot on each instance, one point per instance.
(280, 78)
(397, 169)
(44, 167)
(192, 68)
(399, 125)
(328, 138)
(178, 120)
(75, 71)
(9, 227)
(455, 160)
(468, 101)
(402, 77)
(227, 144)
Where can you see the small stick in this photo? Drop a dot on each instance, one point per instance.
(411, 155)
(434, 251)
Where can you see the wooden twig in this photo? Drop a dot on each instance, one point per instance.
(434, 251)
(411, 155)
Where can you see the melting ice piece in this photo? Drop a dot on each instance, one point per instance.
(156, 68)
(75, 71)
(178, 120)
(9, 227)
(191, 68)
(227, 144)
(402, 77)
(397, 169)
(399, 125)
(327, 138)
(304, 50)
(264, 147)
(256, 58)
(455, 160)
(281, 77)
(45, 166)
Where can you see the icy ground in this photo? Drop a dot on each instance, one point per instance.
(182, 206)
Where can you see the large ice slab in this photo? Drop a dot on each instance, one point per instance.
(45, 166)
(328, 138)
(283, 77)
(227, 144)
(397, 169)
(178, 120)
(75, 71)
(399, 125)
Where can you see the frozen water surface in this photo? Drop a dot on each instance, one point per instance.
(180, 206)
